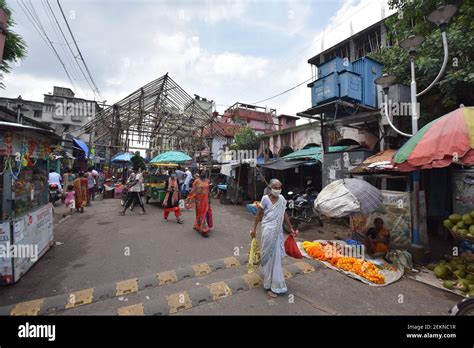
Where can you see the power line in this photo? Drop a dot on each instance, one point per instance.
(67, 43)
(286, 91)
(40, 29)
(74, 71)
(79, 51)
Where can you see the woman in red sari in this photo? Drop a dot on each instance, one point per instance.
(200, 195)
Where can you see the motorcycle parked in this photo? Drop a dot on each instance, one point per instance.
(300, 207)
(465, 307)
(54, 193)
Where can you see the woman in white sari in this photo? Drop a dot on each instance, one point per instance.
(271, 214)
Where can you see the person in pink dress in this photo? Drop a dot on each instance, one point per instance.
(69, 201)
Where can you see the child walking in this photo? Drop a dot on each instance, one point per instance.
(69, 201)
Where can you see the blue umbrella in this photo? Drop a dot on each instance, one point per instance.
(171, 157)
(122, 157)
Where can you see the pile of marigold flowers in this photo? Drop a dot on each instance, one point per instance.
(327, 252)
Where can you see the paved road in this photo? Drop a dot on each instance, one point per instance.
(101, 248)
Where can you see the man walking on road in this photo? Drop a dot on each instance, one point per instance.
(134, 185)
(187, 182)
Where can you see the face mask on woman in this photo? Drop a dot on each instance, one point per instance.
(276, 193)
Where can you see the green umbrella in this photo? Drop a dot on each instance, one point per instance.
(171, 157)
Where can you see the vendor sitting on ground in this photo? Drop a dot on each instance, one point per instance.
(378, 238)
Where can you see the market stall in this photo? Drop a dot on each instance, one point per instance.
(155, 182)
(26, 231)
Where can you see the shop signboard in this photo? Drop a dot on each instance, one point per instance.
(33, 235)
(6, 266)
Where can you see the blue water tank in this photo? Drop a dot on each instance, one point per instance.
(336, 64)
(350, 87)
(369, 69)
(325, 89)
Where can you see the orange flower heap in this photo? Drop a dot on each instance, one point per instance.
(327, 252)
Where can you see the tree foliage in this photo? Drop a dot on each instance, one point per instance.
(245, 139)
(15, 47)
(138, 161)
(455, 86)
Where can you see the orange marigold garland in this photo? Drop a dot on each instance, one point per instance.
(327, 252)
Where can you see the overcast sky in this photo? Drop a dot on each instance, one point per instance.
(223, 50)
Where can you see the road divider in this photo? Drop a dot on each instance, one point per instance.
(83, 297)
(184, 300)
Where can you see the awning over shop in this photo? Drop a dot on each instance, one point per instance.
(313, 153)
(281, 164)
(79, 144)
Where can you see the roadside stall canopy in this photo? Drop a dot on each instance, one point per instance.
(80, 145)
(171, 157)
(448, 139)
(122, 157)
(281, 164)
(313, 153)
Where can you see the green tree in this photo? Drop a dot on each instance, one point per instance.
(138, 161)
(15, 47)
(455, 87)
(245, 139)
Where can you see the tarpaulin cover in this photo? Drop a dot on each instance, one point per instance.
(281, 164)
(82, 145)
(313, 153)
(348, 196)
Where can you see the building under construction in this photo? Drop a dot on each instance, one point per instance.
(157, 117)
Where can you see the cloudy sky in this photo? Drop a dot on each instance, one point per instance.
(224, 50)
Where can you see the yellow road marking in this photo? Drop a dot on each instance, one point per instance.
(202, 268)
(231, 262)
(79, 298)
(126, 287)
(167, 277)
(219, 290)
(179, 302)
(305, 267)
(136, 309)
(253, 280)
(27, 308)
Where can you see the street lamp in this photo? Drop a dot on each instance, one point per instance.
(439, 17)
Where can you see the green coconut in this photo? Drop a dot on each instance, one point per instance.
(467, 219)
(455, 218)
(441, 271)
(448, 284)
(448, 223)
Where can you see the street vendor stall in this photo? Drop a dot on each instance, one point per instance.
(155, 182)
(26, 215)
